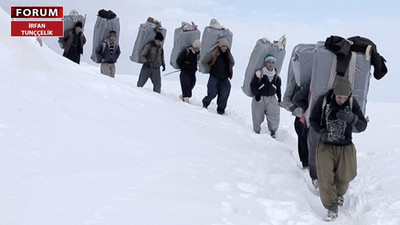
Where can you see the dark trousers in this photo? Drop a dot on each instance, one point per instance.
(188, 80)
(301, 131)
(154, 75)
(219, 87)
(73, 54)
(312, 141)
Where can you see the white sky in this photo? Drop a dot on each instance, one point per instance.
(77, 147)
(302, 22)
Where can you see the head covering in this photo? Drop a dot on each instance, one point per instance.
(159, 36)
(269, 58)
(342, 87)
(78, 24)
(196, 43)
(223, 42)
(113, 32)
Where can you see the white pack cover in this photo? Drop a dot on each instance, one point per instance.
(146, 34)
(323, 79)
(101, 31)
(210, 40)
(182, 40)
(262, 48)
(69, 21)
(301, 63)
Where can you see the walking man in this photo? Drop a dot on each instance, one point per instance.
(220, 63)
(334, 116)
(152, 57)
(187, 61)
(108, 53)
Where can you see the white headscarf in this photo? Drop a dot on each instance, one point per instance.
(270, 74)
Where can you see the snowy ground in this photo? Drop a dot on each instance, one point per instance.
(77, 147)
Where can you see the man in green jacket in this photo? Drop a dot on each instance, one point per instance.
(152, 57)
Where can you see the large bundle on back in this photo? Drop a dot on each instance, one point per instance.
(351, 58)
(146, 34)
(70, 21)
(263, 48)
(301, 62)
(106, 21)
(184, 36)
(299, 73)
(324, 74)
(210, 38)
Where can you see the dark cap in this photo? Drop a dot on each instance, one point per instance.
(79, 24)
(113, 32)
(342, 87)
(159, 36)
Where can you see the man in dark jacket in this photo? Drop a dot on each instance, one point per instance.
(334, 116)
(187, 62)
(152, 57)
(220, 63)
(108, 53)
(72, 42)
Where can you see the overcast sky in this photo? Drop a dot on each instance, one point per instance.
(303, 22)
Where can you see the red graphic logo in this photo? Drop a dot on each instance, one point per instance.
(36, 12)
(26, 21)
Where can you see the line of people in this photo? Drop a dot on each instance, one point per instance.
(219, 62)
(107, 52)
(266, 85)
(325, 144)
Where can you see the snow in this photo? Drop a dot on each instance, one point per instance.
(77, 147)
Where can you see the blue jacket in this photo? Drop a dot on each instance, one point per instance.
(103, 52)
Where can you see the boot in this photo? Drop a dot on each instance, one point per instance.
(273, 135)
(340, 200)
(331, 216)
(315, 184)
